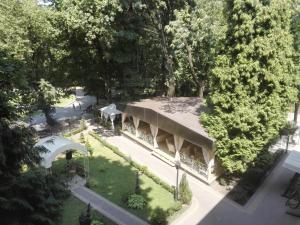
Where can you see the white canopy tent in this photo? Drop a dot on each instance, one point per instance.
(56, 145)
(110, 112)
(292, 162)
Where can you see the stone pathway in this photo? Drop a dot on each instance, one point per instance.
(106, 208)
(68, 112)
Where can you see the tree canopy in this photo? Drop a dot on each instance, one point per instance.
(253, 83)
(240, 56)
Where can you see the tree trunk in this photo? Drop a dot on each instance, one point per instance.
(296, 112)
(197, 81)
(97, 98)
(168, 58)
(50, 121)
(287, 143)
(201, 88)
(171, 87)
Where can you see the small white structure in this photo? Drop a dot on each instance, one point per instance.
(292, 162)
(56, 145)
(110, 112)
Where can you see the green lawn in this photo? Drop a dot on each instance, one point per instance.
(65, 101)
(73, 207)
(113, 177)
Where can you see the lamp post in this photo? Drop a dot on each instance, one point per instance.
(177, 166)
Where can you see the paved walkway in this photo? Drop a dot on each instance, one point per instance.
(62, 113)
(209, 207)
(106, 208)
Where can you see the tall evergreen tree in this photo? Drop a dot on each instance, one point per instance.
(296, 35)
(252, 84)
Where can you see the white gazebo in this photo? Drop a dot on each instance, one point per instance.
(55, 145)
(110, 112)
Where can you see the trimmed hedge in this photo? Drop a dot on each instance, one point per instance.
(73, 132)
(141, 168)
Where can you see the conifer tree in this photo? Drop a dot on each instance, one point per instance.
(253, 82)
(185, 193)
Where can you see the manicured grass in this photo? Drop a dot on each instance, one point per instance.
(65, 101)
(73, 207)
(114, 178)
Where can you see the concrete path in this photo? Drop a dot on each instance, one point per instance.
(106, 208)
(209, 207)
(63, 113)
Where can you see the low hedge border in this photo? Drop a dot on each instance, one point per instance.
(73, 132)
(139, 167)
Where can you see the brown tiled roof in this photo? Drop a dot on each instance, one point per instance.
(179, 115)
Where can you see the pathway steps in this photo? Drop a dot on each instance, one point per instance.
(106, 208)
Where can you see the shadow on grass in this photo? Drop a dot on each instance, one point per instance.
(115, 179)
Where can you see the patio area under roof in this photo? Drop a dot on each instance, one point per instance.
(177, 115)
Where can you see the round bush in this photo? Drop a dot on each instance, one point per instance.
(136, 201)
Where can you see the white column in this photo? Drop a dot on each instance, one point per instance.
(124, 116)
(154, 132)
(209, 159)
(136, 122)
(112, 118)
(178, 142)
(105, 116)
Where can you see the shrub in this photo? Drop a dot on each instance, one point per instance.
(144, 169)
(137, 183)
(223, 181)
(125, 196)
(97, 222)
(159, 217)
(85, 217)
(89, 148)
(253, 176)
(71, 133)
(239, 195)
(83, 125)
(136, 201)
(81, 138)
(91, 183)
(102, 168)
(174, 208)
(185, 194)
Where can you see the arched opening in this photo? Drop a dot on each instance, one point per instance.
(56, 146)
(165, 142)
(145, 132)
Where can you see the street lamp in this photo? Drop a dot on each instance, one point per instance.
(177, 165)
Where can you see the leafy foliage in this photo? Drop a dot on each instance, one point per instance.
(197, 35)
(27, 195)
(89, 148)
(85, 217)
(136, 201)
(137, 184)
(159, 217)
(253, 82)
(82, 138)
(47, 97)
(185, 194)
(97, 222)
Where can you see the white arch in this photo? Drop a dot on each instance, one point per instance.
(56, 145)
